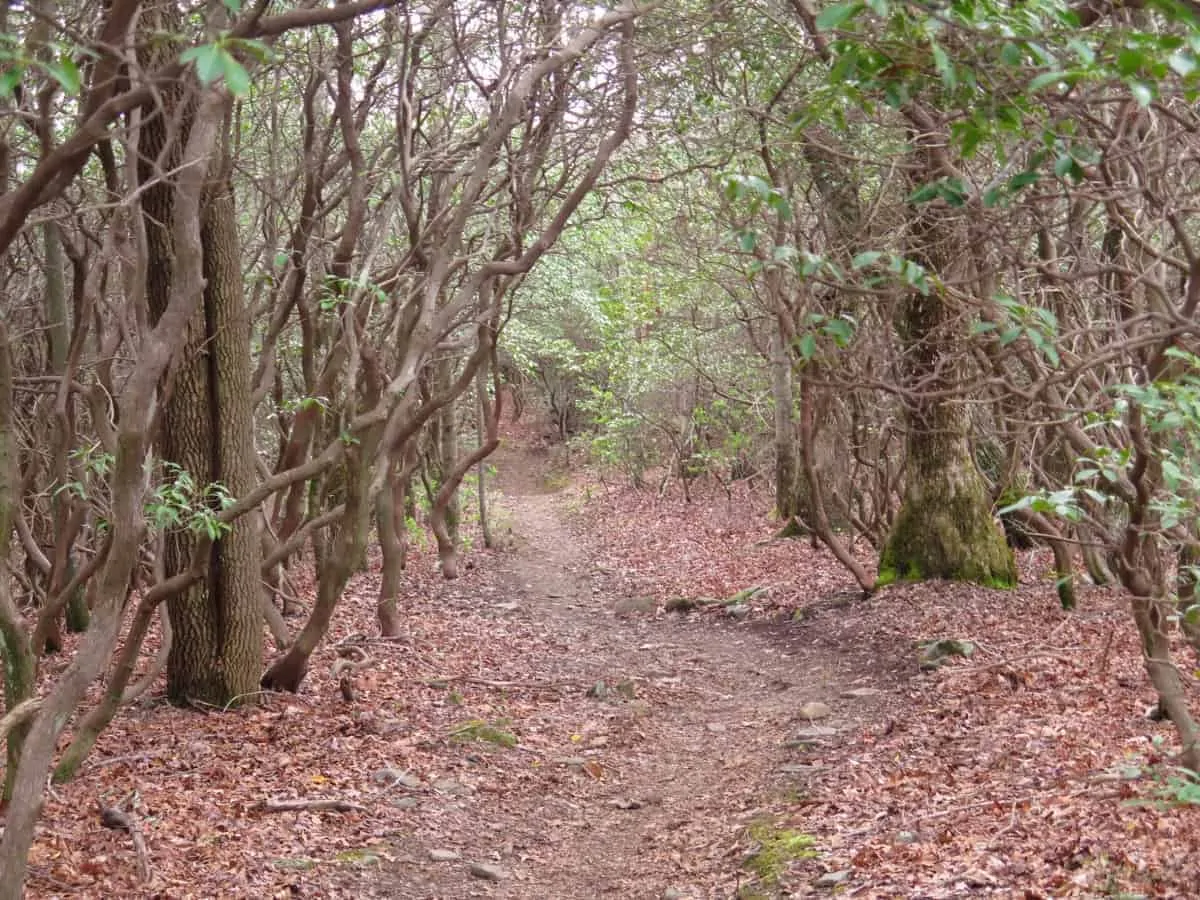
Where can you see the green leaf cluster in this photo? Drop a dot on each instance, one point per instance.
(218, 61)
(179, 501)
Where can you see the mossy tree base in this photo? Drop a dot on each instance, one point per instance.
(945, 530)
(793, 529)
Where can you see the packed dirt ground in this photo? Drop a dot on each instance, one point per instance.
(637, 697)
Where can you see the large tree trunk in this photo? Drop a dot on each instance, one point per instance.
(216, 655)
(944, 528)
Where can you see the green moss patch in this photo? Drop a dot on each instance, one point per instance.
(299, 864)
(487, 732)
(777, 849)
(947, 534)
(361, 857)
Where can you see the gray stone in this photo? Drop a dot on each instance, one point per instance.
(406, 803)
(737, 611)
(389, 776)
(856, 693)
(450, 786)
(572, 762)
(443, 855)
(907, 837)
(626, 803)
(487, 871)
(934, 653)
(810, 735)
(715, 727)
(814, 709)
(833, 879)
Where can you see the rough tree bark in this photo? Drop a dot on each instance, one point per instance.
(442, 461)
(944, 528)
(489, 441)
(1141, 570)
(216, 655)
(389, 515)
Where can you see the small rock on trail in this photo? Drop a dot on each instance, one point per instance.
(814, 710)
(487, 871)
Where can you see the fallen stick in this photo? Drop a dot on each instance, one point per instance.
(119, 820)
(141, 756)
(345, 806)
(1057, 656)
(488, 682)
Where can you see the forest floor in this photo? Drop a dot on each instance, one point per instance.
(546, 729)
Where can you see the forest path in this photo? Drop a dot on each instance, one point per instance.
(686, 745)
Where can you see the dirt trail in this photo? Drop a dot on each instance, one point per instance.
(686, 745)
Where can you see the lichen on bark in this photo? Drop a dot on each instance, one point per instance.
(945, 530)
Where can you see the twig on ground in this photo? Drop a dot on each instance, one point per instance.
(119, 820)
(140, 756)
(1014, 802)
(1012, 660)
(488, 682)
(332, 805)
